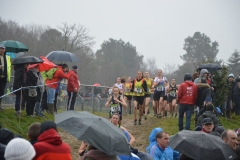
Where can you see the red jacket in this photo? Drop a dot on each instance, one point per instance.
(187, 93)
(59, 74)
(72, 82)
(51, 147)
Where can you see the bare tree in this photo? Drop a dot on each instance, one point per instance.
(169, 70)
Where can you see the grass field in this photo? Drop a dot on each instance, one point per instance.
(140, 132)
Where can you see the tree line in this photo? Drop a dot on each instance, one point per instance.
(115, 58)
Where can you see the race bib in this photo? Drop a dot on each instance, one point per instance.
(115, 108)
(172, 93)
(138, 90)
(160, 88)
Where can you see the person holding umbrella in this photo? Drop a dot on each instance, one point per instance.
(5, 71)
(52, 83)
(73, 87)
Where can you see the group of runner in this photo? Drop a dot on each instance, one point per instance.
(141, 90)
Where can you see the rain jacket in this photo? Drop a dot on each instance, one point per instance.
(51, 147)
(198, 80)
(187, 93)
(209, 114)
(167, 154)
(72, 82)
(58, 74)
(152, 138)
(204, 91)
(7, 67)
(98, 155)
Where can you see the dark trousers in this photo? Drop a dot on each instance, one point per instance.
(44, 101)
(71, 100)
(182, 108)
(17, 101)
(3, 82)
(30, 106)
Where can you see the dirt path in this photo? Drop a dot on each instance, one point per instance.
(140, 132)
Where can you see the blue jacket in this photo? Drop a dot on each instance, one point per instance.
(152, 138)
(159, 154)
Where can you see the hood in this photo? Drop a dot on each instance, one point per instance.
(203, 85)
(50, 136)
(202, 72)
(189, 83)
(152, 138)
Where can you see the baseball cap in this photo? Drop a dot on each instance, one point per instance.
(2, 46)
(207, 121)
(74, 67)
(231, 75)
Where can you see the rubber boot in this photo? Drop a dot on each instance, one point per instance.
(1, 109)
(51, 108)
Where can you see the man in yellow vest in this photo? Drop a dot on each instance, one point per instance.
(5, 71)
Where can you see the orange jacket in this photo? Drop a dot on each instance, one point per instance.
(58, 75)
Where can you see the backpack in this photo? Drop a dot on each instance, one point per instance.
(49, 74)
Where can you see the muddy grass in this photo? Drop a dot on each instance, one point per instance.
(140, 132)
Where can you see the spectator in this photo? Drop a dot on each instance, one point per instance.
(52, 83)
(20, 80)
(209, 113)
(19, 149)
(203, 74)
(227, 105)
(73, 87)
(161, 151)
(230, 138)
(33, 132)
(204, 91)
(187, 95)
(207, 125)
(5, 135)
(236, 94)
(31, 94)
(238, 138)
(50, 144)
(2, 151)
(95, 154)
(5, 71)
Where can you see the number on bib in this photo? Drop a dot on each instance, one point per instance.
(160, 88)
(172, 93)
(138, 90)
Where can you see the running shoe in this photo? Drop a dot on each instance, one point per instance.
(135, 122)
(145, 117)
(175, 115)
(139, 122)
(1, 109)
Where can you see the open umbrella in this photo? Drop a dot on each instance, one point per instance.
(94, 130)
(210, 66)
(14, 46)
(46, 65)
(27, 60)
(62, 56)
(15, 55)
(199, 145)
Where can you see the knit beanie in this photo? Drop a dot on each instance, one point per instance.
(47, 125)
(19, 149)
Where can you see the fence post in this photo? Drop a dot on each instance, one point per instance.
(93, 99)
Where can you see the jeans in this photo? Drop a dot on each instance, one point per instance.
(50, 95)
(227, 105)
(188, 108)
(237, 105)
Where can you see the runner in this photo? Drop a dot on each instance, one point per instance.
(128, 95)
(119, 85)
(116, 102)
(165, 100)
(159, 92)
(172, 97)
(139, 87)
(149, 82)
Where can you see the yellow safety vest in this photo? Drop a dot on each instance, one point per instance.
(127, 89)
(8, 59)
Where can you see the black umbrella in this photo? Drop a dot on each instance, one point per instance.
(62, 56)
(27, 60)
(94, 130)
(210, 66)
(199, 145)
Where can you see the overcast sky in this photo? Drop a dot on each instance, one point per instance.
(156, 27)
